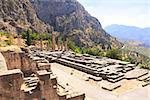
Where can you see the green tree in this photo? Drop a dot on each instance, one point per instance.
(44, 36)
(144, 65)
(78, 50)
(114, 54)
(73, 46)
(3, 33)
(24, 35)
(28, 38)
(35, 36)
(92, 51)
(130, 59)
(50, 43)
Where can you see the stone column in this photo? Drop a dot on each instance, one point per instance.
(41, 44)
(19, 40)
(53, 41)
(66, 46)
(59, 47)
(62, 46)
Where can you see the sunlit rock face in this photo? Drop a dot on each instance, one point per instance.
(17, 16)
(71, 19)
(3, 66)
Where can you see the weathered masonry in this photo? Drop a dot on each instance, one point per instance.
(29, 77)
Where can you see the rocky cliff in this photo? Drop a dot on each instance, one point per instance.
(19, 15)
(66, 16)
(71, 19)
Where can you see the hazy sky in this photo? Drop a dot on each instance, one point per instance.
(125, 12)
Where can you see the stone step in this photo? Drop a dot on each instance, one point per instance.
(95, 78)
(136, 73)
(128, 69)
(145, 84)
(115, 76)
(115, 80)
(143, 78)
(32, 84)
(110, 86)
(147, 79)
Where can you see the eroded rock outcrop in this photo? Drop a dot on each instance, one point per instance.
(71, 19)
(66, 16)
(19, 15)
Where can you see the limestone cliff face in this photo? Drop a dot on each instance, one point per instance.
(71, 19)
(19, 15)
(66, 16)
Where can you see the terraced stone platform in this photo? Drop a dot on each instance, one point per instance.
(98, 68)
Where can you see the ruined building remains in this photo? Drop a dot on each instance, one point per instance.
(29, 77)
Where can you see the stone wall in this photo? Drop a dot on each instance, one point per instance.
(13, 60)
(10, 84)
(12, 80)
(19, 61)
(20, 65)
(3, 66)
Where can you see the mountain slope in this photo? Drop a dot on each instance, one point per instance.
(66, 16)
(19, 15)
(71, 19)
(129, 33)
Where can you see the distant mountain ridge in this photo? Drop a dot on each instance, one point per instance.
(124, 32)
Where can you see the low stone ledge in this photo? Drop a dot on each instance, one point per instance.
(110, 86)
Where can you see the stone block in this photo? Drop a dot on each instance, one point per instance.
(136, 73)
(10, 85)
(143, 78)
(110, 86)
(44, 66)
(95, 78)
(43, 75)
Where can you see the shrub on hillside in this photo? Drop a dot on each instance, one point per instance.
(92, 51)
(130, 59)
(114, 54)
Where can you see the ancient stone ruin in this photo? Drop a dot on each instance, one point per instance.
(3, 66)
(110, 71)
(28, 74)
(29, 77)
